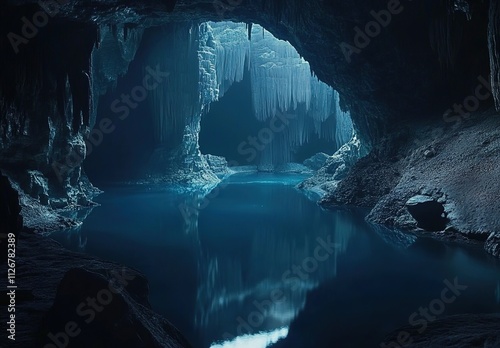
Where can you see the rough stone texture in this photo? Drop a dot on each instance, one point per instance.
(48, 101)
(126, 319)
(11, 220)
(396, 80)
(42, 264)
(462, 176)
(184, 165)
(428, 213)
(218, 165)
(374, 81)
(335, 169)
(317, 161)
(459, 331)
(493, 244)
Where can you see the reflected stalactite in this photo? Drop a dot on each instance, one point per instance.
(273, 262)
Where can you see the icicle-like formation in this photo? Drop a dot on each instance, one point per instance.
(206, 59)
(203, 61)
(112, 57)
(232, 53)
(494, 47)
(343, 123)
(282, 82)
(176, 101)
(280, 77)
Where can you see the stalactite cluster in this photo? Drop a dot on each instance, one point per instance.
(213, 56)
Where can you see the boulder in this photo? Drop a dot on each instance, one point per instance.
(492, 244)
(317, 161)
(106, 309)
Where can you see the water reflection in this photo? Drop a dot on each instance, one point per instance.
(260, 340)
(497, 292)
(73, 237)
(286, 248)
(237, 267)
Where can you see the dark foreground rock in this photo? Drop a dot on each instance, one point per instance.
(52, 284)
(121, 315)
(10, 218)
(459, 331)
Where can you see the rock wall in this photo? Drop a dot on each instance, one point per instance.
(426, 55)
(438, 180)
(49, 92)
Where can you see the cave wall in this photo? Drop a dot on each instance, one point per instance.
(427, 55)
(424, 55)
(52, 77)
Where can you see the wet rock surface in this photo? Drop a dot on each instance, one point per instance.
(459, 181)
(493, 244)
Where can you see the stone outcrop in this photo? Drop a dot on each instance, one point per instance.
(123, 316)
(457, 186)
(56, 281)
(317, 161)
(493, 244)
(327, 178)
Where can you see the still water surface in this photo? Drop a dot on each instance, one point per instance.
(236, 269)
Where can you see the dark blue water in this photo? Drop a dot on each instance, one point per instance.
(236, 268)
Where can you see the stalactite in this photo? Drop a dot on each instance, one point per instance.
(210, 57)
(445, 33)
(494, 48)
(250, 31)
(111, 58)
(232, 53)
(175, 102)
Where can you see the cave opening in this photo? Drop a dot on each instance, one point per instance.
(230, 90)
(306, 182)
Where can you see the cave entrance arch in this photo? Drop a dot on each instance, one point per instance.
(289, 103)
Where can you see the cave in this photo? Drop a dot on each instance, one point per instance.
(428, 213)
(250, 174)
